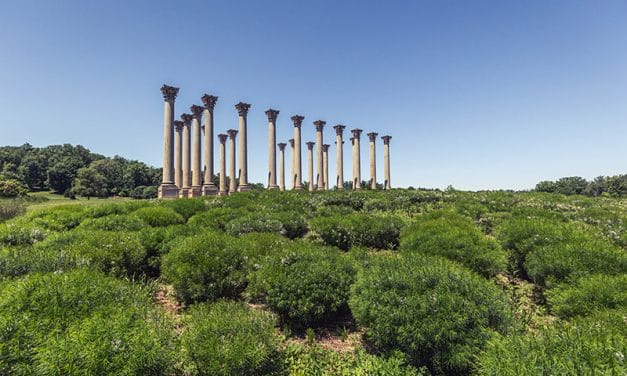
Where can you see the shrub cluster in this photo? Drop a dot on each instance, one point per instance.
(159, 216)
(588, 294)
(114, 222)
(11, 208)
(359, 229)
(11, 188)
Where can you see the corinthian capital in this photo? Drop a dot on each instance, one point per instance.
(325, 148)
(187, 118)
(196, 111)
(169, 92)
(372, 136)
(272, 115)
(232, 133)
(222, 137)
(356, 132)
(310, 145)
(242, 108)
(339, 129)
(386, 140)
(178, 125)
(209, 101)
(319, 124)
(298, 120)
(281, 145)
(291, 141)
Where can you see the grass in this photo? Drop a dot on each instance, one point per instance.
(45, 200)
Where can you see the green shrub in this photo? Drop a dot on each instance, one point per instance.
(188, 207)
(307, 285)
(436, 312)
(254, 222)
(144, 192)
(588, 294)
(21, 231)
(114, 222)
(11, 208)
(228, 338)
(205, 267)
(260, 248)
(216, 218)
(587, 346)
(12, 188)
(115, 208)
(454, 237)
(60, 218)
(359, 229)
(157, 216)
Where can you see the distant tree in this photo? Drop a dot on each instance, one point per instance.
(12, 188)
(546, 186)
(617, 185)
(89, 182)
(572, 185)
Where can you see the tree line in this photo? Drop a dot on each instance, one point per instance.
(70, 170)
(576, 185)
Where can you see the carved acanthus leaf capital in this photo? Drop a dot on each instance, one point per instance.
(339, 129)
(222, 137)
(298, 120)
(372, 136)
(242, 108)
(319, 124)
(178, 125)
(281, 146)
(196, 111)
(169, 92)
(187, 118)
(310, 145)
(272, 115)
(386, 140)
(356, 132)
(325, 148)
(232, 133)
(209, 101)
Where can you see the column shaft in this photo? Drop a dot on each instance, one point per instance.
(196, 152)
(298, 176)
(223, 190)
(319, 157)
(356, 159)
(372, 137)
(325, 162)
(186, 159)
(242, 109)
(310, 146)
(232, 178)
(178, 162)
(292, 168)
(272, 115)
(339, 163)
(167, 189)
(208, 187)
(282, 166)
(386, 162)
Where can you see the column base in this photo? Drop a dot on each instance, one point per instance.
(223, 193)
(209, 190)
(273, 187)
(298, 188)
(168, 190)
(184, 192)
(243, 188)
(195, 191)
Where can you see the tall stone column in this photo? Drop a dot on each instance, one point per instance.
(292, 169)
(272, 115)
(352, 139)
(372, 137)
(196, 152)
(178, 153)
(187, 186)
(168, 189)
(310, 146)
(242, 110)
(281, 146)
(325, 163)
(356, 159)
(208, 187)
(297, 177)
(339, 163)
(386, 162)
(223, 191)
(232, 178)
(319, 158)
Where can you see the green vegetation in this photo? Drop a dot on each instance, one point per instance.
(407, 282)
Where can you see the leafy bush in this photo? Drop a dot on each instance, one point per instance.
(359, 229)
(307, 285)
(436, 312)
(105, 209)
(144, 192)
(59, 218)
(10, 209)
(228, 338)
(158, 216)
(216, 218)
(187, 207)
(12, 188)
(21, 231)
(587, 346)
(588, 294)
(456, 238)
(254, 222)
(205, 267)
(114, 222)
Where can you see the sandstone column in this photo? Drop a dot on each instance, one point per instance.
(339, 163)
(178, 153)
(167, 189)
(282, 165)
(209, 187)
(297, 177)
(196, 152)
(310, 146)
(319, 158)
(325, 163)
(386, 162)
(292, 169)
(372, 137)
(356, 159)
(223, 191)
(242, 110)
(232, 178)
(187, 123)
(272, 115)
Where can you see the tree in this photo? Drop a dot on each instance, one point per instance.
(546, 186)
(89, 182)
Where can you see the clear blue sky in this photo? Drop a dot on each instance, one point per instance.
(477, 94)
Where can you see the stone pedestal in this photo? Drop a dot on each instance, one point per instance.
(372, 137)
(298, 166)
(281, 146)
(272, 115)
(195, 190)
(242, 110)
(187, 175)
(168, 189)
(339, 163)
(208, 187)
(310, 146)
(232, 178)
(223, 190)
(386, 162)
(356, 159)
(319, 157)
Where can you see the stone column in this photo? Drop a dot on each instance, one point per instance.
(356, 159)
(339, 163)
(297, 177)
(168, 189)
(186, 185)
(242, 110)
(352, 139)
(232, 178)
(319, 158)
(223, 191)
(196, 152)
(272, 115)
(372, 137)
(386, 162)
(178, 162)
(292, 169)
(209, 187)
(282, 165)
(310, 146)
(325, 163)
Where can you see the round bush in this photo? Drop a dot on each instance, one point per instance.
(436, 312)
(205, 267)
(158, 216)
(588, 294)
(457, 238)
(359, 229)
(216, 218)
(60, 218)
(187, 207)
(12, 188)
(254, 222)
(307, 285)
(228, 338)
(114, 222)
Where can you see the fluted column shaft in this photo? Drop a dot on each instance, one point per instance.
(292, 168)
(372, 137)
(232, 178)
(242, 110)
(272, 115)
(339, 163)
(223, 191)
(186, 156)
(281, 146)
(310, 146)
(196, 152)
(298, 166)
(178, 162)
(356, 159)
(325, 163)
(319, 157)
(167, 189)
(386, 162)
(208, 187)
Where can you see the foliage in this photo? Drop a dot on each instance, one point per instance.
(10, 209)
(216, 218)
(436, 312)
(359, 229)
(588, 294)
(189, 206)
(158, 216)
(11, 188)
(587, 346)
(454, 237)
(114, 222)
(228, 338)
(612, 185)
(89, 182)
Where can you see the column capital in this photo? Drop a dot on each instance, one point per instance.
(232, 133)
(196, 111)
(319, 124)
(242, 108)
(187, 118)
(291, 141)
(169, 92)
(356, 132)
(209, 101)
(178, 125)
(386, 139)
(325, 147)
(281, 146)
(339, 129)
(272, 115)
(222, 137)
(372, 136)
(298, 120)
(310, 145)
